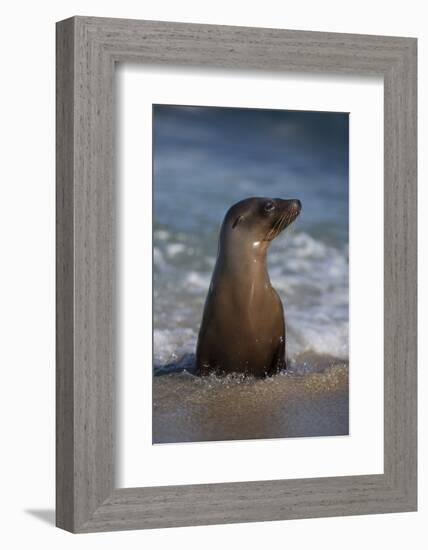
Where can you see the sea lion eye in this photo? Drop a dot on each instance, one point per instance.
(269, 206)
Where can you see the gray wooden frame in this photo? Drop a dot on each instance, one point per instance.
(87, 50)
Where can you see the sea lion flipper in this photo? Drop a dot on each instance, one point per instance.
(279, 362)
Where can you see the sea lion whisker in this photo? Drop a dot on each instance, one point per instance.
(282, 223)
(269, 233)
(273, 230)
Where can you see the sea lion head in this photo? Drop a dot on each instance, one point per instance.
(260, 219)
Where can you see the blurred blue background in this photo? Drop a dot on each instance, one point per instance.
(207, 158)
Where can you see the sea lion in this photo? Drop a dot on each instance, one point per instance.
(243, 328)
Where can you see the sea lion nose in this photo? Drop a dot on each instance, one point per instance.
(297, 205)
(293, 204)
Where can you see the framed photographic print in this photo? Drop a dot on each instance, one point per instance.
(236, 274)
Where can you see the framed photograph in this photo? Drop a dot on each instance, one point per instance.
(236, 274)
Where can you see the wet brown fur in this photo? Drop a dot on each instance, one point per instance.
(243, 328)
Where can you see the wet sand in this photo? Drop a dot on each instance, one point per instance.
(310, 399)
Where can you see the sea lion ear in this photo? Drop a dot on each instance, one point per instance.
(238, 219)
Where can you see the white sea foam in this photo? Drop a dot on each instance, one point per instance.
(161, 234)
(312, 279)
(175, 248)
(158, 259)
(171, 345)
(197, 281)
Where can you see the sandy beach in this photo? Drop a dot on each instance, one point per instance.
(291, 404)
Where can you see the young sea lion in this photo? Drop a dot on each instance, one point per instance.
(243, 327)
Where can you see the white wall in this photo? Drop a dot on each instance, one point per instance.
(27, 270)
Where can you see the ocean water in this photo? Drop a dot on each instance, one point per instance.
(206, 159)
